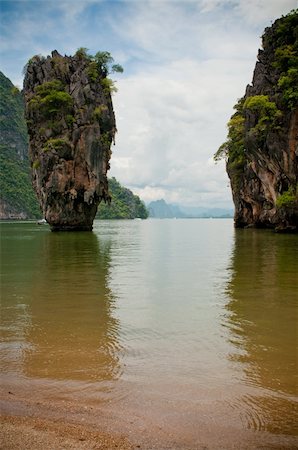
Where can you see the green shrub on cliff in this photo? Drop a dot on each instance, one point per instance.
(289, 85)
(233, 148)
(288, 199)
(99, 67)
(266, 116)
(48, 87)
(92, 71)
(104, 61)
(286, 57)
(56, 144)
(51, 99)
(56, 102)
(99, 111)
(82, 53)
(108, 86)
(265, 112)
(105, 140)
(265, 109)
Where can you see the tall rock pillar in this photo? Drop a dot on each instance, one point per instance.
(71, 127)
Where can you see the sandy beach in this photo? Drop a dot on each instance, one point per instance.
(31, 423)
(34, 423)
(34, 434)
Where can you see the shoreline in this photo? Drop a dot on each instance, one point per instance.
(30, 423)
(35, 422)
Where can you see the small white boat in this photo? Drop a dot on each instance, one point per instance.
(41, 222)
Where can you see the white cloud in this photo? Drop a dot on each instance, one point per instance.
(209, 5)
(171, 122)
(172, 115)
(186, 63)
(71, 9)
(254, 11)
(260, 11)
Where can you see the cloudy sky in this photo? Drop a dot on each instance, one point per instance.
(186, 63)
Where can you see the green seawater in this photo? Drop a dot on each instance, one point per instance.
(186, 322)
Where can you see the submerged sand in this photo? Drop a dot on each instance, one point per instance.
(32, 422)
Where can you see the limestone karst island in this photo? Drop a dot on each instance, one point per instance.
(262, 145)
(71, 127)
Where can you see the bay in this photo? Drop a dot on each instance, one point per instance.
(181, 329)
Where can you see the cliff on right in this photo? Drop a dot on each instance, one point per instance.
(261, 150)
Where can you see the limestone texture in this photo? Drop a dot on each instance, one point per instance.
(71, 126)
(263, 169)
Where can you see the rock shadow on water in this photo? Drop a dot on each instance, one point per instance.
(261, 323)
(71, 334)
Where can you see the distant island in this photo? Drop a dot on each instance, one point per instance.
(124, 204)
(160, 209)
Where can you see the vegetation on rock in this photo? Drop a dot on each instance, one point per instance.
(288, 199)
(266, 115)
(51, 99)
(124, 204)
(265, 112)
(17, 197)
(233, 148)
(286, 57)
(261, 134)
(99, 67)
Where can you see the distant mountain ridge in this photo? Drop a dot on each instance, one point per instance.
(201, 211)
(160, 209)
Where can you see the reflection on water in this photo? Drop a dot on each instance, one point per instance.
(188, 323)
(58, 311)
(262, 319)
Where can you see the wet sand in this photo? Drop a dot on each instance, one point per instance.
(34, 423)
(22, 433)
(28, 423)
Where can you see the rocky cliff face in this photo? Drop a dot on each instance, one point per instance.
(71, 127)
(262, 147)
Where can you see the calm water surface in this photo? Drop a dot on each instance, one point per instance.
(188, 322)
